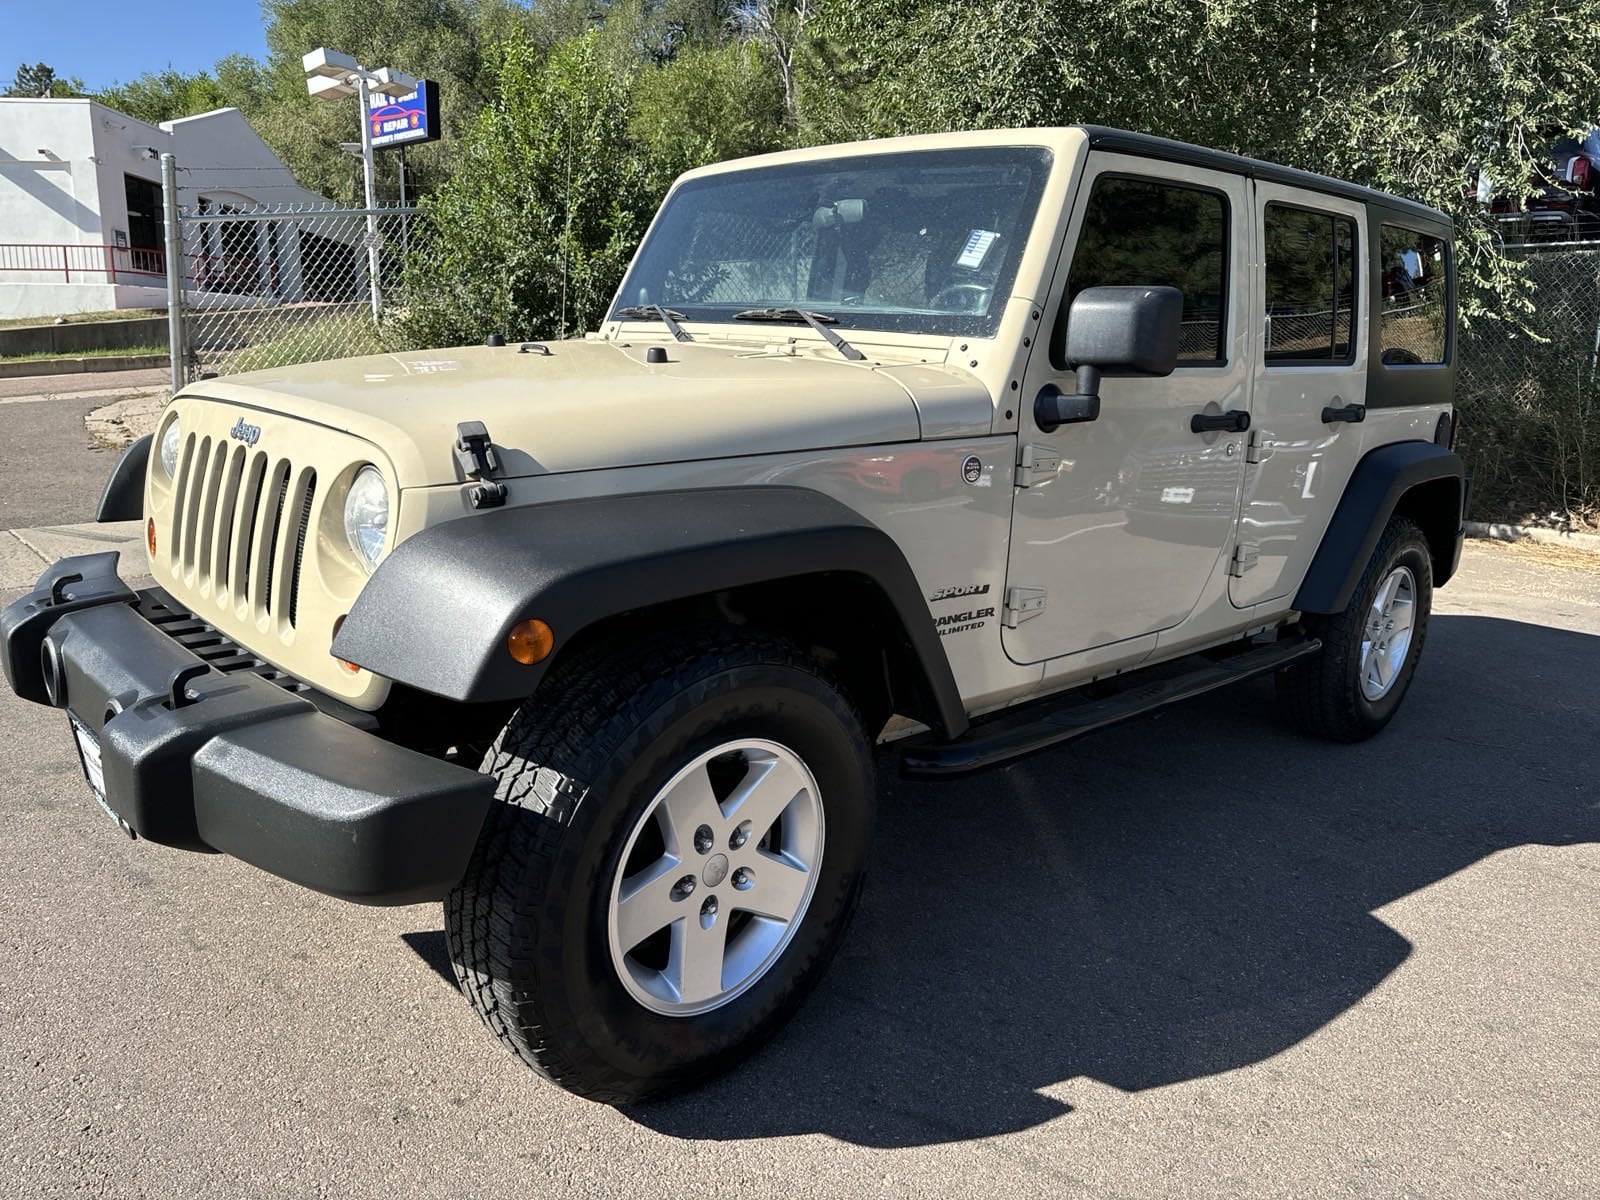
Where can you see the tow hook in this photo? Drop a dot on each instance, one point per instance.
(475, 455)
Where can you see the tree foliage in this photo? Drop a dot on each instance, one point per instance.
(39, 82)
(530, 234)
(1411, 97)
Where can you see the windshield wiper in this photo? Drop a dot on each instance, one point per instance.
(817, 321)
(667, 316)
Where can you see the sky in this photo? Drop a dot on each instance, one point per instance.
(112, 41)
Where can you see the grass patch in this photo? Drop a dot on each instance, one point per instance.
(41, 355)
(88, 318)
(312, 342)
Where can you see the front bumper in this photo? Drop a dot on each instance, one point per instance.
(201, 757)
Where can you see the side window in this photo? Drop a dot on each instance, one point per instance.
(1411, 326)
(1311, 277)
(1163, 234)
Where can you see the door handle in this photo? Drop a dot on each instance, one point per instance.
(1354, 413)
(1235, 420)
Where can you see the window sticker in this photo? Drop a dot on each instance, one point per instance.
(977, 248)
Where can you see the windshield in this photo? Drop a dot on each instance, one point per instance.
(920, 241)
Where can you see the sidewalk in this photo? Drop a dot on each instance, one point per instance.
(49, 387)
(25, 553)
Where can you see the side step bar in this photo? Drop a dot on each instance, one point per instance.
(1036, 726)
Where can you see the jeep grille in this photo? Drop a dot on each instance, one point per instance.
(239, 525)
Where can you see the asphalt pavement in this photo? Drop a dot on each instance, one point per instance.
(1195, 955)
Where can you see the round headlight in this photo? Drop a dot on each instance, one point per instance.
(366, 515)
(170, 441)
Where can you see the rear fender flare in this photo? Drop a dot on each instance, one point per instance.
(1421, 478)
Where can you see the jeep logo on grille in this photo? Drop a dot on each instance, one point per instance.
(248, 434)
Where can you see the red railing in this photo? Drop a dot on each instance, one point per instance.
(56, 258)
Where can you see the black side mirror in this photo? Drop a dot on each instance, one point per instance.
(1134, 329)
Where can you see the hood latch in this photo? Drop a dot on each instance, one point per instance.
(475, 455)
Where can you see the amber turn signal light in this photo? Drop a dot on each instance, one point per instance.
(348, 666)
(150, 535)
(530, 641)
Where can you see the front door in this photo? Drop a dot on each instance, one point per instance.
(1311, 377)
(1119, 522)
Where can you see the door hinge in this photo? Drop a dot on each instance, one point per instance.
(1022, 604)
(1037, 464)
(1254, 452)
(1245, 555)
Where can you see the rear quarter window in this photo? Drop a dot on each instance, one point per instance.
(1415, 290)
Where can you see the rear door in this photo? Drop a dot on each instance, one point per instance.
(1119, 522)
(1308, 287)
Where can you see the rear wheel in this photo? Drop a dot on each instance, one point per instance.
(1369, 651)
(679, 842)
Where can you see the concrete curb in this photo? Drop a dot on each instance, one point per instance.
(81, 366)
(1533, 533)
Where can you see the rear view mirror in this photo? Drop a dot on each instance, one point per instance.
(1132, 329)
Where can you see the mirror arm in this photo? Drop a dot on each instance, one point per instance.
(1053, 408)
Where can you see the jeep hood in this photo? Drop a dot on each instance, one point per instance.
(585, 405)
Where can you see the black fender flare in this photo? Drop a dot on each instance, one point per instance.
(123, 497)
(436, 612)
(1377, 488)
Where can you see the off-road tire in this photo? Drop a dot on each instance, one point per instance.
(1321, 695)
(576, 767)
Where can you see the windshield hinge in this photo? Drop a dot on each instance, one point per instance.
(475, 455)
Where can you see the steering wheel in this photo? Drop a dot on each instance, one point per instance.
(962, 297)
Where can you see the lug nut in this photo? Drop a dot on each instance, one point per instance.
(740, 836)
(743, 879)
(684, 888)
(704, 839)
(708, 912)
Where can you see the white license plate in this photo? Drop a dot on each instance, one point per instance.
(89, 755)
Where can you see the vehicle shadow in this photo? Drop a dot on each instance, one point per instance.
(1181, 896)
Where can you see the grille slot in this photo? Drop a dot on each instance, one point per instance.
(279, 496)
(308, 491)
(247, 520)
(179, 492)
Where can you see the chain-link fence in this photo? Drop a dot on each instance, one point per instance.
(268, 287)
(1530, 405)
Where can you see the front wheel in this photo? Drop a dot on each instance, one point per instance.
(679, 842)
(1352, 688)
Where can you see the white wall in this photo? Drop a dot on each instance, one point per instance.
(49, 182)
(74, 192)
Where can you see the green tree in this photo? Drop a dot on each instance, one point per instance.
(1408, 97)
(40, 82)
(706, 105)
(237, 81)
(530, 234)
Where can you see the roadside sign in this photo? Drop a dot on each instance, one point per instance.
(401, 120)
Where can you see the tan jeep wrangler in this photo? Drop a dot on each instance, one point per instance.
(903, 442)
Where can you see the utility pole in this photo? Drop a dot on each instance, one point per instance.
(331, 74)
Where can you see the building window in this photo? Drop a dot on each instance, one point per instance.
(1311, 285)
(1140, 231)
(1415, 297)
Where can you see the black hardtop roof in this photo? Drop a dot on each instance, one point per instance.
(1145, 145)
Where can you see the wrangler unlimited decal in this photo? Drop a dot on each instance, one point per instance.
(973, 618)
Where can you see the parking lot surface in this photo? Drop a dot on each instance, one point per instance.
(1193, 956)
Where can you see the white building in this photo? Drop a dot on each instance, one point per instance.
(81, 217)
